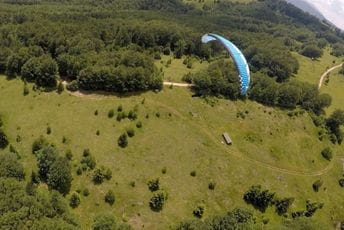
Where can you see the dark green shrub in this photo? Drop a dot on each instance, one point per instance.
(158, 201)
(199, 211)
(258, 198)
(123, 140)
(69, 154)
(86, 153)
(131, 132)
(101, 174)
(316, 185)
(111, 113)
(48, 130)
(79, 171)
(60, 88)
(341, 182)
(26, 90)
(3, 139)
(85, 192)
(327, 153)
(154, 185)
(110, 197)
(193, 173)
(164, 170)
(88, 163)
(38, 144)
(139, 124)
(96, 113)
(98, 133)
(157, 114)
(74, 200)
(120, 108)
(212, 185)
(283, 205)
(132, 115)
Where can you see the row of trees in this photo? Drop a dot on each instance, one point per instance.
(220, 79)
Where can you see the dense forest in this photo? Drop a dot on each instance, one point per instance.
(111, 45)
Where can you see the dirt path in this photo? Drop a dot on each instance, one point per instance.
(327, 72)
(178, 84)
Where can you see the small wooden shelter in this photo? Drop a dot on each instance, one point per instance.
(227, 138)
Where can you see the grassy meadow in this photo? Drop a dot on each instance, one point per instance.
(270, 148)
(335, 88)
(311, 70)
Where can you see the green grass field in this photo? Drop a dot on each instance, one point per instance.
(335, 89)
(175, 71)
(270, 148)
(310, 71)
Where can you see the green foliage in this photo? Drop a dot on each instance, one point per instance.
(283, 205)
(3, 139)
(327, 153)
(211, 185)
(132, 115)
(85, 192)
(26, 90)
(39, 144)
(87, 162)
(317, 184)
(154, 185)
(110, 197)
(199, 211)
(235, 219)
(60, 176)
(111, 113)
(60, 88)
(193, 173)
(108, 222)
(48, 210)
(45, 159)
(49, 130)
(120, 108)
(288, 95)
(74, 200)
(69, 154)
(131, 132)
(260, 199)
(219, 79)
(333, 124)
(101, 174)
(341, 71)
(312, 51)
(158, 201)
(123, 140)
(10, 167)
(139, 124)
(41, 70)
(341, 182)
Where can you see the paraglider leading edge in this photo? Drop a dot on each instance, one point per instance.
(238, 57)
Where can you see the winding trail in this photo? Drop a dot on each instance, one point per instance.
(214, 138)
(327, 72)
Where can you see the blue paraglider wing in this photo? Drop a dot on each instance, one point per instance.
(238, 57)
